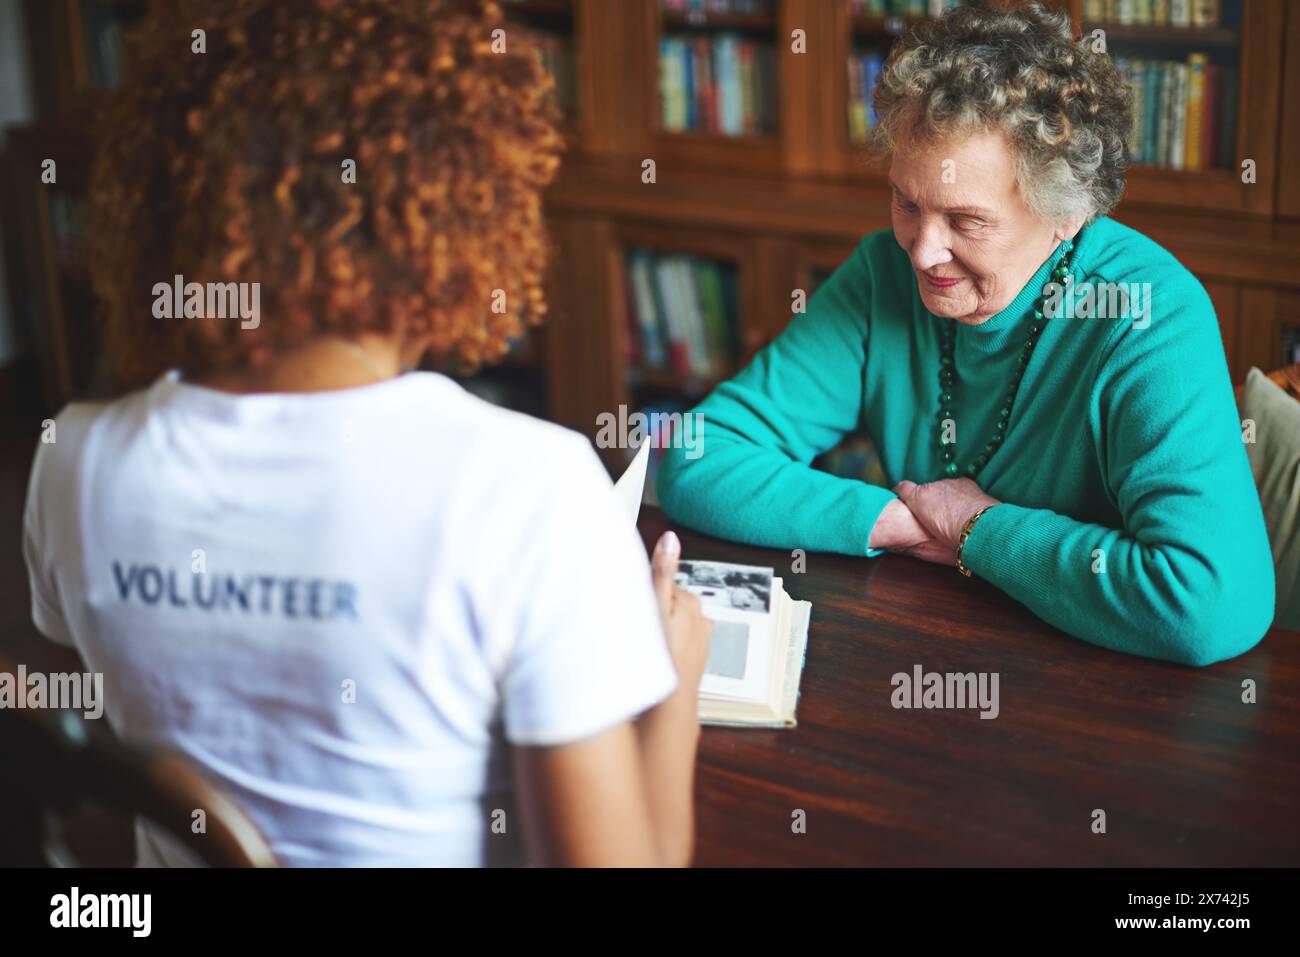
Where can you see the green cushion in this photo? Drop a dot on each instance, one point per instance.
(1275, 462)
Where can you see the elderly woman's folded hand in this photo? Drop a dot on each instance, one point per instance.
(925, 521)
(897, 530)
(941, 509)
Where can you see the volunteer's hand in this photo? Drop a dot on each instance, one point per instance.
(687, 629)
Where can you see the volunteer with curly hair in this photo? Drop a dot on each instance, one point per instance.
(347, 591)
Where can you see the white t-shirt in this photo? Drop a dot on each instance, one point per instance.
(343, 604)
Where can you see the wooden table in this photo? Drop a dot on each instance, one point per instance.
(1186, 773)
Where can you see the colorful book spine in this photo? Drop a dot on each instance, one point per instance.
(1153, 82)
(1195, 67)
(724, 84)
(1178, 116)
(1162, 117)
(687, 73)
(680, 310)
(748, 100)
(653, 346)
(1210, 117)
(1205, 13)
(724, 52)
(857, 106)
(666, 285)
(672, 117)
(708, 292)
(698, 360)
(1184, 113)
(874, 65)
(706, 97)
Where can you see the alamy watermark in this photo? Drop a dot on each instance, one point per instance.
(132, 912)
(75, 691)
(179, 299)
(931, 689)
(678, 430)
(1099, 300)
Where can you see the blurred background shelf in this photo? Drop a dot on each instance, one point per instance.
(778, 201)
(1166, 35)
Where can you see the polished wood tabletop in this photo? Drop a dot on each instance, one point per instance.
(1184, 771)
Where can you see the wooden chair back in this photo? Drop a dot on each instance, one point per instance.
(57, 761)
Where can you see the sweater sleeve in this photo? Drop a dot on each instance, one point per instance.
(752, 480)
(1189, 576)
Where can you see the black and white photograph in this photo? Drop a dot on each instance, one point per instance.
(732, 586)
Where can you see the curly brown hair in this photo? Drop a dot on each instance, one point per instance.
(1061, 103)
(227, 166)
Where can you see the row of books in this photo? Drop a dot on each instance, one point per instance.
(1184, 114)
(744, 7)
(1173, 13)
(720, 84)
(681, 313)
(863, 71)
(901, 8)
(1155, 13)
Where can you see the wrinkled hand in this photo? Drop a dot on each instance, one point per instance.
(941, 508)
(898, 530)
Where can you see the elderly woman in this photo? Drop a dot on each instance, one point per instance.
(1090, 466)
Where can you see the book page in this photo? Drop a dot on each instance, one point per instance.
(630, 487)
(738, 600)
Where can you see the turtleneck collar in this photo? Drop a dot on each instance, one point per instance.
(991, 334)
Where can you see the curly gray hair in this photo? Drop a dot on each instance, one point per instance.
(1063, 106)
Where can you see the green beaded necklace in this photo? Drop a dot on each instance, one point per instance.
(948, 379)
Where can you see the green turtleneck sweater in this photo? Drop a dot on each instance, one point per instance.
(1130, 518)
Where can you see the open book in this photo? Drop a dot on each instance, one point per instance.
(760, 633)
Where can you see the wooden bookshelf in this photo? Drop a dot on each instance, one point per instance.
(1166, 36)
(756, 23)
(74, 57)
(875, 27)
(1252, 43)
(754, 150)
(714, 245)
(790, 203)
(795, 208)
